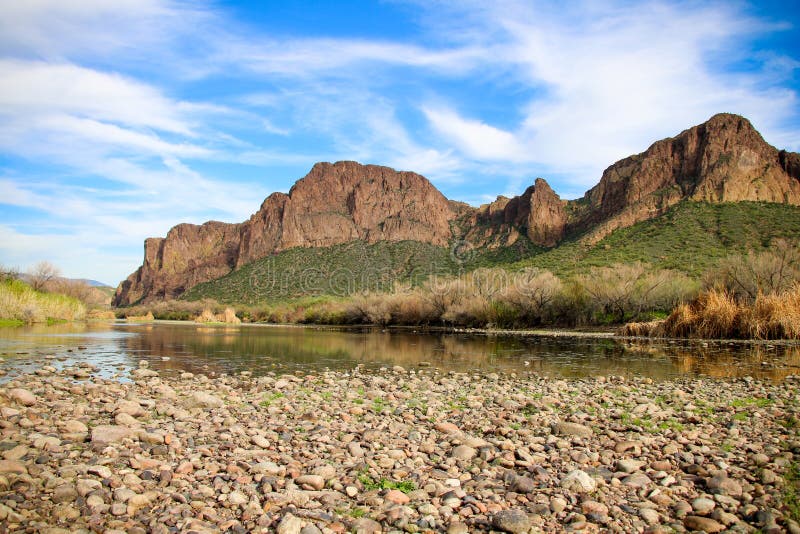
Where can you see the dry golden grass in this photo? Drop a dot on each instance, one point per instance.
(774, 316)
(20, 302)
(646, 329)
(147, 317)
(228, 317)
(717, 315)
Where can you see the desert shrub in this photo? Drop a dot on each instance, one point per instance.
(442, 294)
(745, 276)
(20, 302)
(718, 315)
(532, 294)
(626, 291)
(775, 316)
(41, 274)
(471, 312)
(171, 310)
(92, 297)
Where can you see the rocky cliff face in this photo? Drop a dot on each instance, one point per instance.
(539, 213)
(334, 203)
(722, 160)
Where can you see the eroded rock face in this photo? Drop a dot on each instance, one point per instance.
(722, 160)
(538, 212)
(333, 204)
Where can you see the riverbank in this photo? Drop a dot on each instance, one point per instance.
(398, 450)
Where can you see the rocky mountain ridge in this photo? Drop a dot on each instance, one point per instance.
(722, 160)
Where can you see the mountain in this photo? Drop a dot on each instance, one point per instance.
(722, 160)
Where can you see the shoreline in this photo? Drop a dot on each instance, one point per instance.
(587, 333)
(398, 450)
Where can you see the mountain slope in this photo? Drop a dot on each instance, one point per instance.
(722, 160)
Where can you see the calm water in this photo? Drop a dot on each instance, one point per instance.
(174, 348)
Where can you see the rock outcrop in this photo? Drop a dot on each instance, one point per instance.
(333, 204)
(539, 213)
(722, 160)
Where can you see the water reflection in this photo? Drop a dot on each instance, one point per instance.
(174, 348)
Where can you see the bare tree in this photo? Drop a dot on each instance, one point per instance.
(7, 273)
(771, 271)
(41, 274)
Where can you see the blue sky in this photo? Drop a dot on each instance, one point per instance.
(122, 118)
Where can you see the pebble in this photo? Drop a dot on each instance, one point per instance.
(578, 481)
(22, 396)
(703, 506)
(205, 454)
(514, 521)
(703, 524)
(629, 466)
(572, 429)
(464, 452)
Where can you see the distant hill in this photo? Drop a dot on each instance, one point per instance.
(378, 211)
(93, 283)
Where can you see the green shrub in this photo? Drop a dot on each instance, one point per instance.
(20, 302)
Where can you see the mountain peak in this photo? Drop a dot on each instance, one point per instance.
(721, 160)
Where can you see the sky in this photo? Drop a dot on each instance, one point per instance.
(122, 118)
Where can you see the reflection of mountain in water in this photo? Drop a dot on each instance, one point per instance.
(262, 349)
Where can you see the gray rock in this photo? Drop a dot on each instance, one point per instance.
(703, 524)
(572, 429)
(107, 434)
(22, 396)
(703, 506)
(463, 452)
(290, 524)
(578, 481)
(314, 481)
(514, 521)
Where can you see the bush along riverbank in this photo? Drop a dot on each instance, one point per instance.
(396, 450)
(21, 304)
(754, 295)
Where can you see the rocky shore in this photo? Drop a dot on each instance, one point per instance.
(398, 450)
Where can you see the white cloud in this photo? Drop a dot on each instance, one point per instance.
(106, 89)
(57, 29)
(476, 139)
(610, 79)
(35, 89)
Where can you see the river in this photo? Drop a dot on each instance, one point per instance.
(173, 348)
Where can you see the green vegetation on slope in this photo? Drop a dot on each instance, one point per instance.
(691, 237)
(21, 304)
(337, 270)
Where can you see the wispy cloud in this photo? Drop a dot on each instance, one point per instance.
(121, 119)
(608, 79)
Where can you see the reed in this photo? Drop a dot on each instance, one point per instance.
(20, 302)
